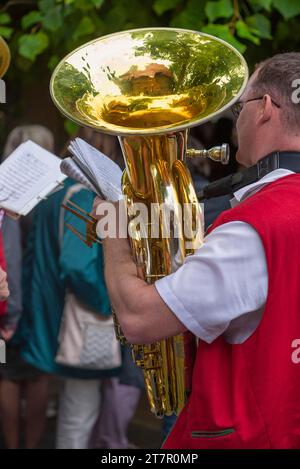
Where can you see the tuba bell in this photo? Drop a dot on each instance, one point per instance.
(148, 87)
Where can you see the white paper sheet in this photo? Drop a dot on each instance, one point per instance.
(103, 174)
(28, 175)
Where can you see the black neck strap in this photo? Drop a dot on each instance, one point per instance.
(230, 184)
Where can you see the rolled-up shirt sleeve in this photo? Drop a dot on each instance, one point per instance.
(226, 278)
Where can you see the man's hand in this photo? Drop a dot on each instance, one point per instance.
(13, 215)
(4, 292)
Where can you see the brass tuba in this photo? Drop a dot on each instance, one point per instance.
(148, 87)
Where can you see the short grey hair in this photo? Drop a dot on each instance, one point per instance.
(275, 76)
(37, 133)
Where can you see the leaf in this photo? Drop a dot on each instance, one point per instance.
(245, 32)
(53, 20)
(261, 24)
(219, 9)
(70, 127)
(261, 4)
(192, 17)
(98, 3)
(86, 26)
(160, 6)
(32, 45)
(46, 5)
(6, 32)
(223, 32)
(84, 5)
(287, 8)
(31, 18)
(54, 59)
(5, 18)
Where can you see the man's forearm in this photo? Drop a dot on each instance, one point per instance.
(122, 280)
(143, 315)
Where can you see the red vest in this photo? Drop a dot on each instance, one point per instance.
(248, 395)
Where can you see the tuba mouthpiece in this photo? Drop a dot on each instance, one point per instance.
(219, 153)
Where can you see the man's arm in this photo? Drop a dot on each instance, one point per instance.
(143, 315)
(224, 280)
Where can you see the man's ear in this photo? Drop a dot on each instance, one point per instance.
(266, 109)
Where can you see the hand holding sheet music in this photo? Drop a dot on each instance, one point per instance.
(94, 170)
(27, 176)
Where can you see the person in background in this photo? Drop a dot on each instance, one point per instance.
(119, 395)
(17, 377)
(51, 266)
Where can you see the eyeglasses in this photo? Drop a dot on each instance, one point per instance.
(237, 107)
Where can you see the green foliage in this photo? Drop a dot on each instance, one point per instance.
(223, 32)
(219, 9)
(70, 127)
(40, 33)
(5, 30)
(288, 8)
(258, 5)
(161, 6)
(31, 19)
(51, 28)
(32, 45)
(261, 25)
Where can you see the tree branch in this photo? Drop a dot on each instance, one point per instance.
(12, 3)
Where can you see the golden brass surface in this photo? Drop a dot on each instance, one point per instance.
(148, 87)
(90, 235)
(220, 153)
(148, 81)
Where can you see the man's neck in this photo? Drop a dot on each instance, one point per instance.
(289, 143)
(288, 159)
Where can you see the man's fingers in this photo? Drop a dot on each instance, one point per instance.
(3, 275)
(13, 215)
(4, 292)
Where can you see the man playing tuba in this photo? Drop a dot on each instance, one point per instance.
(239, 293)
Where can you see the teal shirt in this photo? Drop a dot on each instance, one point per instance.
(50, 265)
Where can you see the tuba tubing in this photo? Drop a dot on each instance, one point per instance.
(149, 87)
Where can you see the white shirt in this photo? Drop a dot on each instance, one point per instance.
(222, 288)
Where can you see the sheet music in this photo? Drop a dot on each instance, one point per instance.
(69, 167)
(103, 174)
(26, 176)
